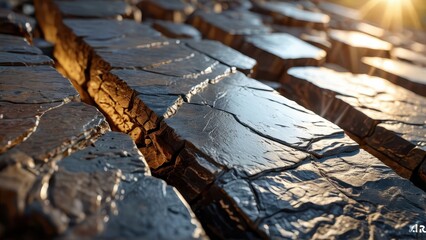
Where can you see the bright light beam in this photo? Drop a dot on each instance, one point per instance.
(393, 12)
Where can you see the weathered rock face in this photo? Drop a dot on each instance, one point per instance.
(252, 163)
(278, 52)
(401, 73)
(63, 173)
(386, 117)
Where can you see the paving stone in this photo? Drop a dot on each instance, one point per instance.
(401, 73)
(229, 27)
(290, 15)
(170, 10)
(386, 117)
(277, 52)
(176, 30)
(348, 47)
(224, 54)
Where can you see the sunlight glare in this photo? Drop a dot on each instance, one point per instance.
(393, 12)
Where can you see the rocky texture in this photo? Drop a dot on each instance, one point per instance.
(348, 47)
(63, 174)
(252, 163)
(386, 117)
(224, 54)
(16, 51)
(170, 10)
(277, 52)
(291, 15)
(229, 27)
(401, 73)
(176, 30)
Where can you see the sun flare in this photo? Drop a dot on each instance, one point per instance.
(394, 13)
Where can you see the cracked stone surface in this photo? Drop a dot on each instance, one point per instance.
(386, 117)
(401, 73)
(176, 30)
(224, 54)
(252, 163)
(64, 174)
(277, 52)
(348, 47)
(319, 197)
(293, 15)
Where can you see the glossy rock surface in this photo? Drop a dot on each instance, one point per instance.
(388, 118)
(62, 176)
(277, 52)
(252, 163)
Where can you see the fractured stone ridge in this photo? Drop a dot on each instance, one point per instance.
(252, 163)
(404, 74)
(291, 14)
(277, 52)
(386, 117)
(348, 47)
(229, 27)
(176, 30)
(62, 175)
(224, 54)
